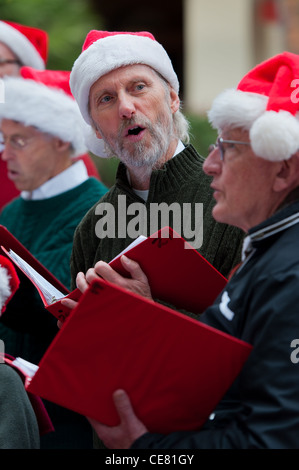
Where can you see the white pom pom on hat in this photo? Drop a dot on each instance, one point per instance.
(265, 104)
(9, 282)
(275, 135)
(29, 44)
(104, 51)
(42, 98)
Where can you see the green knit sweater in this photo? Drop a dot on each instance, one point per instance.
(46, 228)
(180, 181)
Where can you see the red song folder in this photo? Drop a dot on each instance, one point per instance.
(174, 368)
(8, 242)
(177, 273)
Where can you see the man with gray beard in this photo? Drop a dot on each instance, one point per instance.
(128, 94)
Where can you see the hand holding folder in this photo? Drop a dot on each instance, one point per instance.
(177, 273)
(174, 368)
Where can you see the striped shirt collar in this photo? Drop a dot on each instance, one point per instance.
(280, 221)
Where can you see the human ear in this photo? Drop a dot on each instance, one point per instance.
(287, 174)
(61, 145)
(98, 134)
(96, 129)
(174, 101)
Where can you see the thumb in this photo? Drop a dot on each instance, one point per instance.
(123, 405)
(129, 422)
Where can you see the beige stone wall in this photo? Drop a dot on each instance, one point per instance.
(217, 48)
(290, 12)
(223, 39)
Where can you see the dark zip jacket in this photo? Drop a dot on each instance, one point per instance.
(259, 305)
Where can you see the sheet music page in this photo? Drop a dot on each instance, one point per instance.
(50, 292)
(27, 367)
(138, 240)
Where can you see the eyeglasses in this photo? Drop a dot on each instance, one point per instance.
(16, 141)
(9, 61)
(220, 144)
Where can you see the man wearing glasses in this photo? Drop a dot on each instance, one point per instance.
(254, 167)
(19, 45)
(42, 135)
(22, 45)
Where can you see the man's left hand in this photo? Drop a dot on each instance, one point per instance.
(138, 283)
(129, 429)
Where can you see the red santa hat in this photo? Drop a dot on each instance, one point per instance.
(29, 44)
(9, 282)
(42, 98)
(105, 51)
(266, 104)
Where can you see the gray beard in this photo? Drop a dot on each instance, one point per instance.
(142, 155)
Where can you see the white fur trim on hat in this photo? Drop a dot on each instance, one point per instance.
(112, 52)
(5, 290)
(49, 110)
(235, 108)
(275, 135)
(21, 46)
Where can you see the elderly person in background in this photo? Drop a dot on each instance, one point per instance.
(19, 45)
(22, 45)
(254, 167)
(43, 133)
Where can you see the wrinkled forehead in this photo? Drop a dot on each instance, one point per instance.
(6, 52)
(127, 73)
(234, 133)
(10, 127)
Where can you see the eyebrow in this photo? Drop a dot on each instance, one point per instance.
(10, 59)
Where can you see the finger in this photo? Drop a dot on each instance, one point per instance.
(81, 282)
(69, 303)
(123, 405)
(130, 425)
(133, 268)
(91, 275)
(106, 272)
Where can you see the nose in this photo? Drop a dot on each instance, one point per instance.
(7, 153)
(126, 107)
(212, 164)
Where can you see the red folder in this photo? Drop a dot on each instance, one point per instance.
(174, 368)
(7, 242)
(177, 273)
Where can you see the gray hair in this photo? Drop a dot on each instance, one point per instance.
(182, 126)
